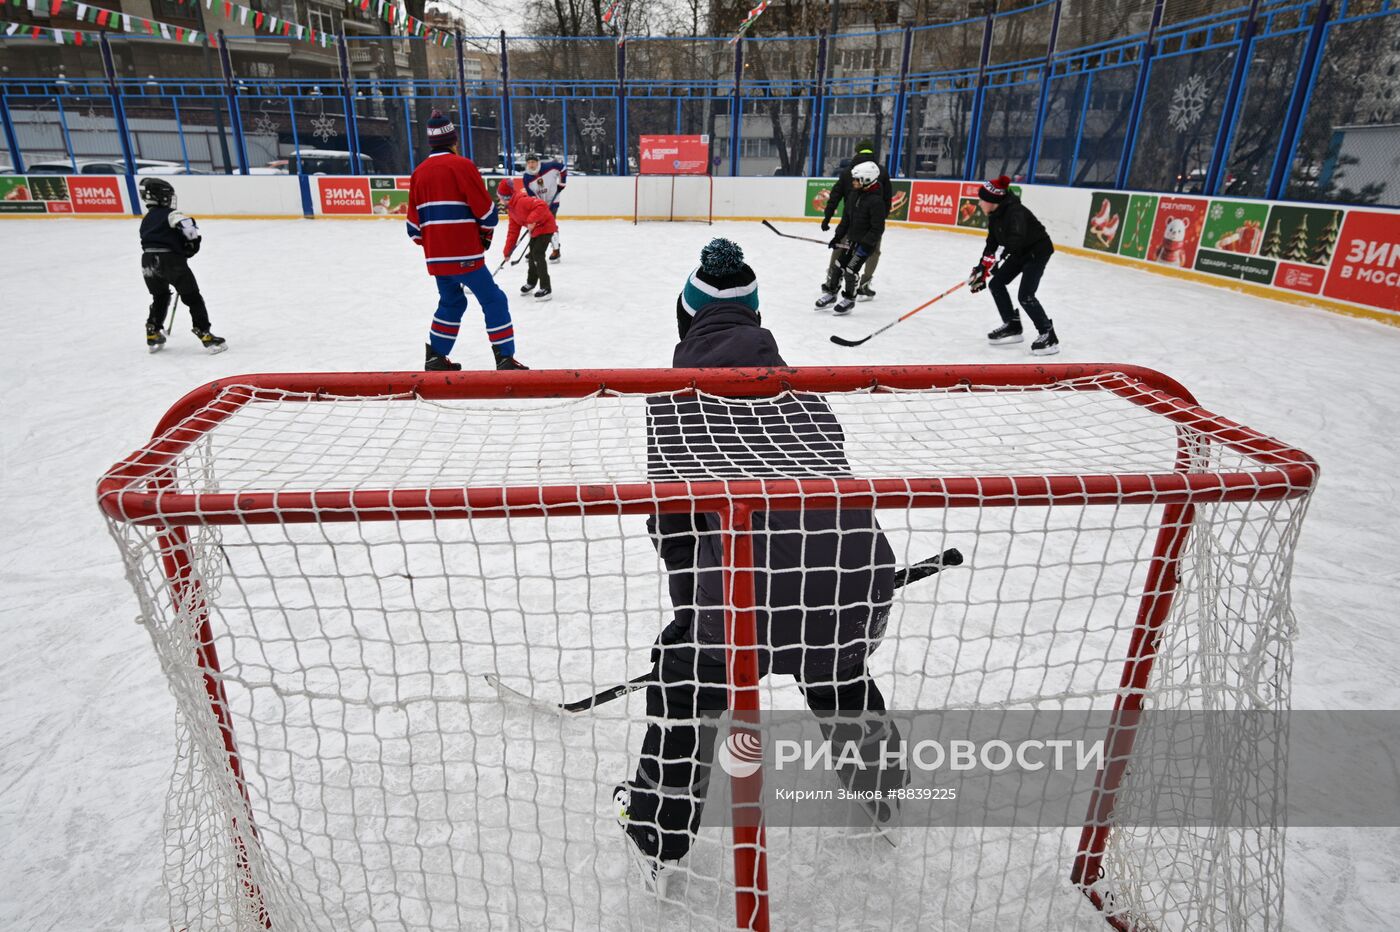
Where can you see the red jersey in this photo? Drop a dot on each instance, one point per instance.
(531, 213)
(447, 206)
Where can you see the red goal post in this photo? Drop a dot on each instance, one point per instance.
(254, 636)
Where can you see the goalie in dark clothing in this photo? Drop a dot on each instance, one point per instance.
(168, 240)
(824, 578)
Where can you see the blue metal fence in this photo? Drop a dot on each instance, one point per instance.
(1255, 98)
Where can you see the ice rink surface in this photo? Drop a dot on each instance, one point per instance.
(86, 720)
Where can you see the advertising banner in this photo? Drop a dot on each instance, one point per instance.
(935, 202)
(1136, 234)
(61, 194)
(1366, 268)
(1232, 236)
(388, 196)
(364, 197)
(674, 155)
(343, 195)
(1304, 240)
(818, 193)
(1106, 212)
(1176, 232)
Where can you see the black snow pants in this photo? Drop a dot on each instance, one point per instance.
(163, 271)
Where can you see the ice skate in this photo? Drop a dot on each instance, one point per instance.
(826, 300)
(1046, 344)
(843, 307)
(212, 344)
(504, 362)
(527, 288)
(436, 362)
(1006, 333)
(544, 293)
(654, 872)
(865, 293)
(155, 338)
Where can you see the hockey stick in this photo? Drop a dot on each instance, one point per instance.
(809, 239)
(902, 577)
(525, 241)
(841, 341)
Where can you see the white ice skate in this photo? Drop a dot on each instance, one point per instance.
(654, 873)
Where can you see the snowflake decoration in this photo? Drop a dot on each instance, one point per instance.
(536, 125)
(593, 128)
(1217, 210)
(323, 127)
(264, 125)
(1188, 103)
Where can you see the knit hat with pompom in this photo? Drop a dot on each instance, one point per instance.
(721, 276)
(995, 190)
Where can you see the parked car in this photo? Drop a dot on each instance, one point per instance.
(326, 162)
(102, 167)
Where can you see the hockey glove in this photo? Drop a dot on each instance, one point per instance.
(826, 224)
(486, 233)
(192, 247)
(977, 280)
(837, 243)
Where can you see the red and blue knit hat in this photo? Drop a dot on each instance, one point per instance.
(442, 132)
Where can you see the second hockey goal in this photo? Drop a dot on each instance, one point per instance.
(337, 569)
(673, 197)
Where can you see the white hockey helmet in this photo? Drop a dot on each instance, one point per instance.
(865, 174)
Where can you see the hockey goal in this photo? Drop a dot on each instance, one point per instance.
(673, 197)
(330, 566)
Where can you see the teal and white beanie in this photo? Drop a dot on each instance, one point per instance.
(721, 276)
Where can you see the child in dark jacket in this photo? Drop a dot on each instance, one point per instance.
(858, 236)
(824, 578)
(1025, 250)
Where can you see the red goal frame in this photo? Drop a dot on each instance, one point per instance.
(141, 489)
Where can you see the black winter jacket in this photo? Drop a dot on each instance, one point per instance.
(165, 229)
(826, 577)
(1016, 230)
(864, 221)
(841, 190)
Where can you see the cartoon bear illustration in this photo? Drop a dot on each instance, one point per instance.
(1173, 248)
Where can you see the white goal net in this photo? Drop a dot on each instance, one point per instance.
(371, 592)
(673, 197)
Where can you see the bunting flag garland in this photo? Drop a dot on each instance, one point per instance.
(754, 14)
(611, 11)
(391, 11)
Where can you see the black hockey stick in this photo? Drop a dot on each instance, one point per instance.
(809, 239)
(902, 577)
(525, 240)
(842, 341)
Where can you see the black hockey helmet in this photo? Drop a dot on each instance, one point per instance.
(157, 192)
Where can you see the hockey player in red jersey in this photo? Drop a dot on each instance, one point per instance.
(533, 215)
(451, 215)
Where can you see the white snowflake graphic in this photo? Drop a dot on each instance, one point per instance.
(1217, 210)
(537, 125)
(1188, 103)
(264, 125)
(323, 127)
(593, 128)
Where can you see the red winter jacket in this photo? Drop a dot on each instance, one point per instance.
(531, 213)
(447, 206)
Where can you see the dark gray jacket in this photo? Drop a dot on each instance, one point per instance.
(824, 598)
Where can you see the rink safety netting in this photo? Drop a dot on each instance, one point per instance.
(331, 566)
